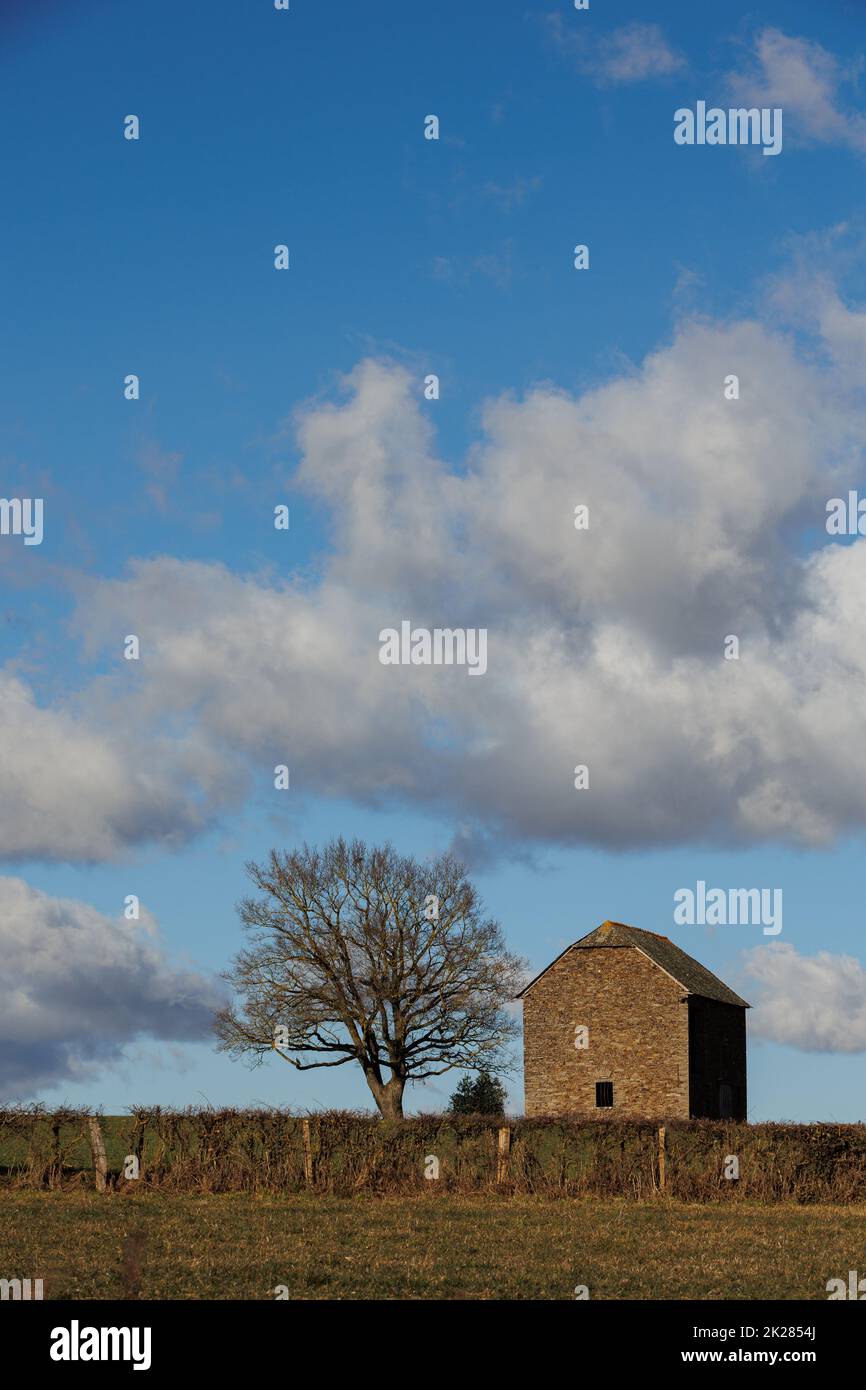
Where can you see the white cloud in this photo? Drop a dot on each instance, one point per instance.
(814, 1003)
(71, 790)
(635, 52)
(605, 646)
(807, 297)
(805, 80)
(76, 987)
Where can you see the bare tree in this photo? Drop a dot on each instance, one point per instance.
(363, 955)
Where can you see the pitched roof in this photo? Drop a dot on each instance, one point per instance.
(688, 972)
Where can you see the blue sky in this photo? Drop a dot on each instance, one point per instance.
(305, 387)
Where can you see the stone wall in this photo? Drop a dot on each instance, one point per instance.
(638, 1024)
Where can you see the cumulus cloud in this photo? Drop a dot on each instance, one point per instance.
(808, 297)
(76, 987)
(806, 81)
(634, 52)
(605, 646)
(70, 791)
(815, 1003)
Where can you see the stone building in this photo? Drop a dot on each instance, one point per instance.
(624, 1023)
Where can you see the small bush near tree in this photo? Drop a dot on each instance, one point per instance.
(481, 1094)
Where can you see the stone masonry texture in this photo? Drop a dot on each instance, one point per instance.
(666, 1052)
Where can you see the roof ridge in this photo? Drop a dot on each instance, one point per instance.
(694, 977)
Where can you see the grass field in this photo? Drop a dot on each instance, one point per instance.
(152, 1245)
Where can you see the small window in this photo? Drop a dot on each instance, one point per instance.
(603, 1094)
(726, 1101)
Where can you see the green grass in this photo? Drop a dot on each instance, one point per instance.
(428, 1247)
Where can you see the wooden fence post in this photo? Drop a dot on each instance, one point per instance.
(662, 1158)
(502, 1156)
(308, 1153)
(97, 1145)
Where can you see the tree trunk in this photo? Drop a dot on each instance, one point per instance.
(392, 1098)
(388, 1096)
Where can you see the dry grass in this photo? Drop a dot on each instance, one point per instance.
(156, 1245)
